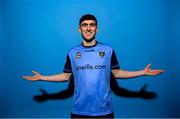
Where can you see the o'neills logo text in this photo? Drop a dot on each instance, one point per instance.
(90, 67)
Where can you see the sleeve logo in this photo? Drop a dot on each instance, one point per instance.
(78, 55)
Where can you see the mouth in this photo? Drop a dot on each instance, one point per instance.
(88, 32)
(88, 36)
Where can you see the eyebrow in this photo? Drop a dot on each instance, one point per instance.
(87, 24)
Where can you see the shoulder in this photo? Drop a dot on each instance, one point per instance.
(106, 46)
(74, 49)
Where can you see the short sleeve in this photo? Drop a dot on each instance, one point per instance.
(114, 61)
(67, 66)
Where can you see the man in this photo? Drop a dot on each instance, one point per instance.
(91, 64)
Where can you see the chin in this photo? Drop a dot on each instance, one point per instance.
(89, 39)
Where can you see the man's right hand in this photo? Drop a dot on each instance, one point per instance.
(37, 76)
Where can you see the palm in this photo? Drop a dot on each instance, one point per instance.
(149, 71)
(33, 78)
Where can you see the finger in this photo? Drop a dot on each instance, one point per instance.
(34, 72)
(27, 77)
(148, 66)
(162, 70)
(155, 72)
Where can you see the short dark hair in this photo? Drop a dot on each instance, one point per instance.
(87, 17)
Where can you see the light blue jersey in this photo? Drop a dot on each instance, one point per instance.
(91, 68)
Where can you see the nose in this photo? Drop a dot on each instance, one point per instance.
(88, 28)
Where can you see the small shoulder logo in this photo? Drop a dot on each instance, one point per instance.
(101, 53)
(78, 55)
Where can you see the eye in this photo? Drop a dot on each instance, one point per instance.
(93, 24)
(84, 24)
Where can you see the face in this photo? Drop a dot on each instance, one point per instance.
(88, 29)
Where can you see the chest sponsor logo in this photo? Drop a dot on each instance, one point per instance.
(78, 55)
(101, 53)
(89, 50)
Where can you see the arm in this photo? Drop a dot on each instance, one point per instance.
(57, 78)
(118, 73)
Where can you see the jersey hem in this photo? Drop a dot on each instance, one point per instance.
(92, 114)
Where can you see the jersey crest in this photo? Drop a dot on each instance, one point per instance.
(101, 53)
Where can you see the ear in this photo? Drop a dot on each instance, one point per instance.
(97, 29)
(79, 29)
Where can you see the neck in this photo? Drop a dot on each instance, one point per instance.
(92, 43)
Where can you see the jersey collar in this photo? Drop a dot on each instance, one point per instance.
(89, 46)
